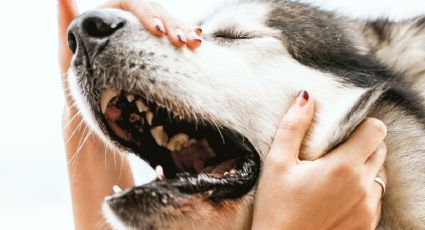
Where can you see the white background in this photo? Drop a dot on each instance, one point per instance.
(34, 191)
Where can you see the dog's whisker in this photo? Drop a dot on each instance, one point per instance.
(81, 144)
(77, 114)
(123, 162)
(76, 129)
(75, 155)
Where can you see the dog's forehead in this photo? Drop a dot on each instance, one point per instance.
(249, 16)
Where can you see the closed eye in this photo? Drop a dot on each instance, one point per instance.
(232, 34)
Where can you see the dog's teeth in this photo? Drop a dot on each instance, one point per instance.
(233, 172)
(130, 98)
(177, 142)
(116, 189)
(159, 135)
(159, 171)
(164, 200)
(208, 193)
(149, 117)
(226, 173)
(141, 106)
(106, 96)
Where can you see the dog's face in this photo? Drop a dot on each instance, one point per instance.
(207, 117)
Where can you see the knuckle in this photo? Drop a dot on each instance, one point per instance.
(381, 152)
(124, 4)
(376, 126)
(273, 161)
(343, 170)
(288, 126)
(362, 192)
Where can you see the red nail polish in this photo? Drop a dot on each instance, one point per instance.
(198, 30)
(302, 98)
(159, 25)
(195, 36)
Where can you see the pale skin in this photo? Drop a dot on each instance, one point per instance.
(290, 194)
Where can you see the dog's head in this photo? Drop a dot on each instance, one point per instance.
(207, 116)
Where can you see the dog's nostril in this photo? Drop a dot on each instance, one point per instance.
(100, 28)
(72, 42)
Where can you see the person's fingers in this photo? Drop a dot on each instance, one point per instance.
(173, 26)
(377, 189)
(376, 161)
(362, 143)
(177, 32)
(194, 38)
(377, 215)
(67, 11)
(291, 131)
(150, 19)
(376, 195)
(158, 21)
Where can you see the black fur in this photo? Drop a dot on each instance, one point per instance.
(334, 52)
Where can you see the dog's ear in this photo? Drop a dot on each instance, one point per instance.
(390, 45)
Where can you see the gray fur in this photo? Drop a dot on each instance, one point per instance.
(247, 85)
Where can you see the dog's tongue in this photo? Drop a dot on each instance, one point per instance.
(226, 168)
(113, 114)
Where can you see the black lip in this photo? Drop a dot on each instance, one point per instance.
(200, 185)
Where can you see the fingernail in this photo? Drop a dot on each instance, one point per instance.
(179, 33)
(159, 25)
(195, 37)
(302, 98)
(198, 31)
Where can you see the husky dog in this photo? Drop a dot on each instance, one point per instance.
(208, 116)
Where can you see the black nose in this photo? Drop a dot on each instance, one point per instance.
(92, 28)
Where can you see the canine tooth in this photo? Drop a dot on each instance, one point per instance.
(232, 171)
(130, 98)
(208, 193)
(149, 117)
(177, 142)
(116, 189)
(226, 173)
(141, 106)
(106, 97)
(159, 171)
(164, 200)
(160, 135)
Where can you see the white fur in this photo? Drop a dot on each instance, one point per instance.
(246, 86)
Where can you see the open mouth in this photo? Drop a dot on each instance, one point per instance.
(192, 158)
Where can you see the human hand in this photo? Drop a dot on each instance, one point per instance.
(337, 191)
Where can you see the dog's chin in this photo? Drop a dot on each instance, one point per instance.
(195, 162)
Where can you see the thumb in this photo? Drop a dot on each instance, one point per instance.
(67, 11)
(291, 131)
